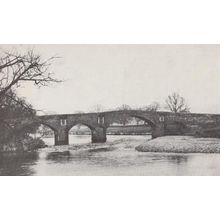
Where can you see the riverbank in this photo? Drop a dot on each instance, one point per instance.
(181, 144)
(25, 144)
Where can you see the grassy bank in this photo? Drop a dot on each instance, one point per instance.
(181, 144)
(22, 145)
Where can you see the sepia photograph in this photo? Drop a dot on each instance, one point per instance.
(109, 110)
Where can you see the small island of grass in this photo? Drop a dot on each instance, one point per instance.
(181, 144)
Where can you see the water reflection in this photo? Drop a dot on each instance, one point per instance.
(58, 156)
(102, 149)
(17, 164)
(178, 158)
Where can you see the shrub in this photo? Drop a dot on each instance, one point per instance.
(31, 144)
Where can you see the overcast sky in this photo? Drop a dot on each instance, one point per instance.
(137, 75)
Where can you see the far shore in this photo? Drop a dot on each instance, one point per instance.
(181, 144)
(112, 134)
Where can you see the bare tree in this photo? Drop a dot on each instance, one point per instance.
(138, 120)
(124, 107)
(79, 112)
(44, 131)
(124, 118)
(16, 69)
(97, 108)
(155, 106)
(29, 67)
(176, 103)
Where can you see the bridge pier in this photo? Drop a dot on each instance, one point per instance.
(99, 135)
(158, 131)
(61, 137)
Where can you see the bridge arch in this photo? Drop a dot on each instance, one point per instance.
(97, 133)
(91, 127)
(78, 129)
(146, 119)
(149, 126)
(48, 125)
(31, 126)
(47, 137)
(133, 126)
(154, 121)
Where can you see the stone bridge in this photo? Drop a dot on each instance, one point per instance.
(162, 123)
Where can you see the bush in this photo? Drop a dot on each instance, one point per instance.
(31, 144)
(22, 144)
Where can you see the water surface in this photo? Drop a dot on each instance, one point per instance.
(116, 157)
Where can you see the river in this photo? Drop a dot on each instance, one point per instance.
(116, 157)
